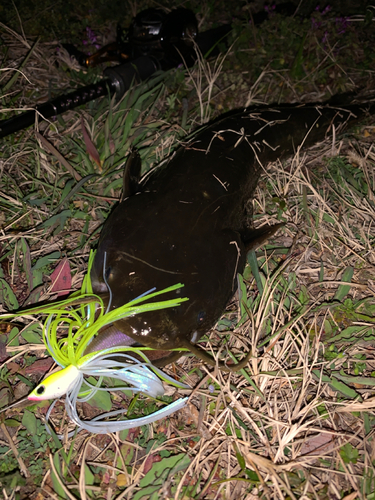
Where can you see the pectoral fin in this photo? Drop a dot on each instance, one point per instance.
(254, 238)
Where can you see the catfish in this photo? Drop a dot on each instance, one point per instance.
(190, 221)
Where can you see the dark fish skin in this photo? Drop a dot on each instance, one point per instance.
(189, 222)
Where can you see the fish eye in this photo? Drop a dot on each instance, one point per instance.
(41, 390)
(201, 317)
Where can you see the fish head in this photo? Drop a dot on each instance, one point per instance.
(161, 236)
(150, 260)
(164, 329)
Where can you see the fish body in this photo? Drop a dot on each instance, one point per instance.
(189, 221)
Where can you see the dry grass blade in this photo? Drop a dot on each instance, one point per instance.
(203, 77)
(49, 147)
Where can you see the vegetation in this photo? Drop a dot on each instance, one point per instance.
(298, 421)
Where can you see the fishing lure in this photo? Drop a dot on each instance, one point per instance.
(83, 315)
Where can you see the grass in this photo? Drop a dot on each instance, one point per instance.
(298, 422)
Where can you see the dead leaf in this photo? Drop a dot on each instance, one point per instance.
(48, 146)
(13, 367)
(151, 459)
(3, 351)
(40, 366)
(121, 481)
(61, 279)
(318, 443)
(351, 496)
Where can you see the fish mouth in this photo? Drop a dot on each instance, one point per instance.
(100, 288)
(110, 336)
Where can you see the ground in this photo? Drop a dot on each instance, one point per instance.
(298, 421)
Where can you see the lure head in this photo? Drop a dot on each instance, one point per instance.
(56, 385)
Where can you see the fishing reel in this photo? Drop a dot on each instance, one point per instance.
(154, 41)
(166, 37)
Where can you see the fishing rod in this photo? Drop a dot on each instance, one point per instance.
(155, 41)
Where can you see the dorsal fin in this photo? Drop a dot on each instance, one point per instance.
(132, 174)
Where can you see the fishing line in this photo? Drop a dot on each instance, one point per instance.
(106, 282)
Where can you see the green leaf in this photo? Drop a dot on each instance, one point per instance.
(89, 476)
(297, 71)
(128, 122)
(32, 334)
(252, 260)
(57, 444)
(239, 420)
(327, 329)
(116, 184)
(225, 324)
(123, 434)
(57, 220)
(241, 460)
(367, 423)
(343, 290)
(13, 337)
(253, 476)
(242, 295)
(303, 296)
(351, 379)
(56, 483)
(30, 422)
(46, 260)
(25, 380)
(349, 333)
(337, 385)
(127, 452)
(321, 272)
(70, 191)
(27, 262)
(349, 454)
(343, 388)
(147, 492)
(7, 297)
(101, 399)
(160, 471)
(37, 278)
(11, 422)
